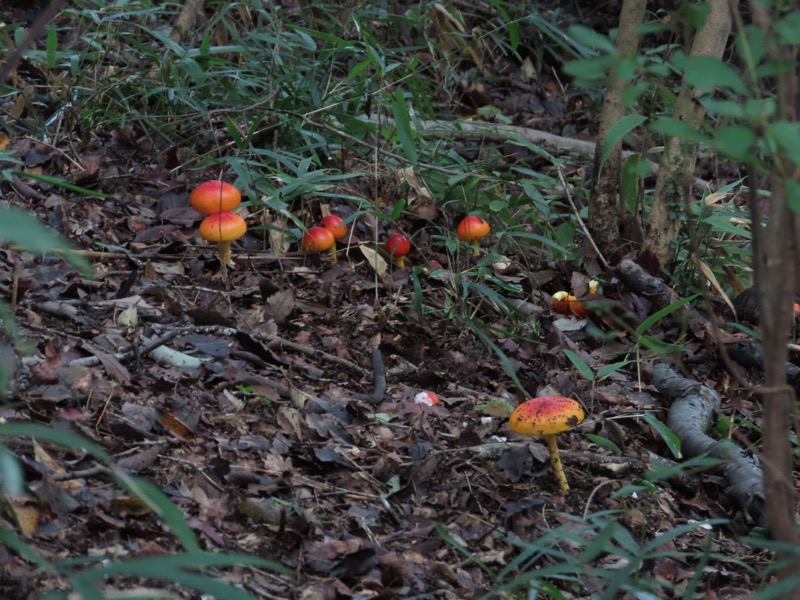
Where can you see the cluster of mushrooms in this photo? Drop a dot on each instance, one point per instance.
(218, 199)
(544, 416)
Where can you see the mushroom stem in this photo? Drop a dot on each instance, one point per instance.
(555, 460)
(332, 252)
(400, 262)
(476, 247)
(224, 249)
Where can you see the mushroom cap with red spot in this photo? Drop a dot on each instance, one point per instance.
(546, 415)
(472, 228)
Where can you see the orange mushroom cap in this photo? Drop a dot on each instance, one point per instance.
(546, 415)
(472, 228)
(215, 196)
(565, 303)
(333, 223)
(318, 239)
(222, 227)
(397, 245)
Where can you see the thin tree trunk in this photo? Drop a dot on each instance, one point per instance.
(604, 206)
(776, 264)
(674, 185)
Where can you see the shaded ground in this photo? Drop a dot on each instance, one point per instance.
(273, 442)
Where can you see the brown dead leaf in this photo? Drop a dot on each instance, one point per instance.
(279, 306)
(175, 426)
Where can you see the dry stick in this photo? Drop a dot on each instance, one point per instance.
(577, 214)
(267, 337)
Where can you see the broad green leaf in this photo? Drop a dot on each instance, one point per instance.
(670, 439)
(580, 364)
(669, 126)
(724, 108)
(750, 45)
(11, 475)
(615, 134)
(590, 69)
(706, 73)
(792, 194)
(735, 141)
(402, 122)
(592, 39)
(788, 28)
(23, 230)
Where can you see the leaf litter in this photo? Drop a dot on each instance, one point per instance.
(252, 404)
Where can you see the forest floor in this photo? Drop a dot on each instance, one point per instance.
(262, 416)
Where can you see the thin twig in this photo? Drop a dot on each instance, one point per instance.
(577, 214)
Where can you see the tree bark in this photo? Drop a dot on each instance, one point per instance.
(604, 206)
(673, 187)
(775, 252)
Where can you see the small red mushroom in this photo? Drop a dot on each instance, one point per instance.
(427, 398)
(471, 229)
(214, 197)
(318, 239)
(547, 416)
(223, 227)
(398, 246)
(333, 223)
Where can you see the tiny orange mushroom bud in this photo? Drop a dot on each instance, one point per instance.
(471, 229)
(223, 228)
(214, 197)
(398, 247)
(318, 239)
(566, 304)
(547, 416)
(427, 398)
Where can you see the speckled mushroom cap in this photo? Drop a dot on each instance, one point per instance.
(546, 415)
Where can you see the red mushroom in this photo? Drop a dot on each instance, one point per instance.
(471, 229)
(333, 223)
(215, 197)
(318, 239)
(223, 227)
(398, 246)
(547, 416)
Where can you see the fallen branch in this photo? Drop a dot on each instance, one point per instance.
(691, 414)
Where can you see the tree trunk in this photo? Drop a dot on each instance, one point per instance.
(775, 252)
(604, 206)
(674, 184)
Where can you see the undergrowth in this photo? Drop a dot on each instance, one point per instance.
(333, 103)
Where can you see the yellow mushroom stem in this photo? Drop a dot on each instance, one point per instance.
(476, 247)
(332, 252)
(224, 249)
(555, 460)
(400, 262)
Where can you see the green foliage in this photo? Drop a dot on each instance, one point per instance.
(84, 576)
(597, 553)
